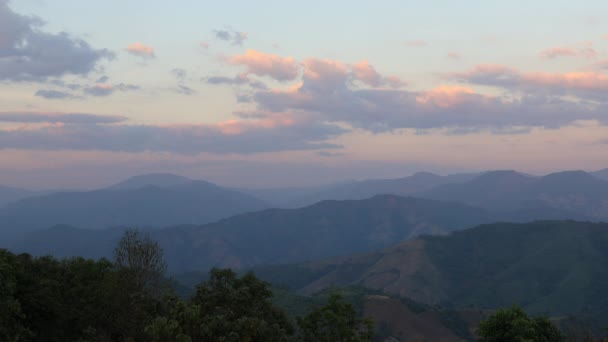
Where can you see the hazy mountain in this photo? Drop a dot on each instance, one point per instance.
(9, 194)
(329, 228)
(299, 197)
(161, 180)
(559, 267)
(176, 202)
(576, 194)
(601, 174)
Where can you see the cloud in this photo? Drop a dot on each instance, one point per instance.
(184, 90)
(584, 84)
(64, 118)
(269, 134)
(204, 45)
(453, 55)
(179, 73)
(240, 79)
(102, 79)
(232, 36)
(53, 94)
(29, 54)
(366, 73)
(330, 154)
(141, 50)
(585, 50)
(104, 89)
(327, 93)
(416, 43)
(264, 64)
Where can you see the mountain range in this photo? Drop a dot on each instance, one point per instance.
(555, 267)
(145, 201)
(574, 194)
(203, 224)
(354, 190)
(328, 228)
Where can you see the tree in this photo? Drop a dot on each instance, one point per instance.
(225, 308)
(514, 325)
(11, 315)
(337, 321)
(141, 256)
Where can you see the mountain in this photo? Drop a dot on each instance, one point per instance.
(176, 202)
(161, 180)
(569, 194)
(9, 194)
(326, 229)
(554, 267)
(299, 197)
(601, 174)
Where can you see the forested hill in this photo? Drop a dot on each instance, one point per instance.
(555, 267)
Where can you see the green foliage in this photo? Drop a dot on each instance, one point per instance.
(336, 321)
(514, 325)
(12, 327)
(225, 308)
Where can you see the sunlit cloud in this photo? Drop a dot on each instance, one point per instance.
(264, 64)
(141, 50)
(86, 132)
(65, 118)
(585, 50)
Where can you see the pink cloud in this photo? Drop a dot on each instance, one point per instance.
(576, 80)
(416, 43)
(204, 45)
(267, 133)
(324, 74)
(586, 83)
(394, 82)
(445, 96)
(557, 52)
(141, 50)
(584, 50)
(367, 74)
(263, 64)
(453, 55)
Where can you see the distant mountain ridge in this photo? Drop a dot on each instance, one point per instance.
(576, 192)
(357, 190)
(154, 200)
(161, 180)
(10, 194)
(328, 228)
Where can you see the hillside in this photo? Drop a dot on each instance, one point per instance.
(329, 228)
(132, 203)
(555, 267)
(570, 194)
(10, 194)
(395, 317)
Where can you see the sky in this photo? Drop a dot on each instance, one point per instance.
(284, 93)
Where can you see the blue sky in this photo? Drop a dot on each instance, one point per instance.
(279, 93)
